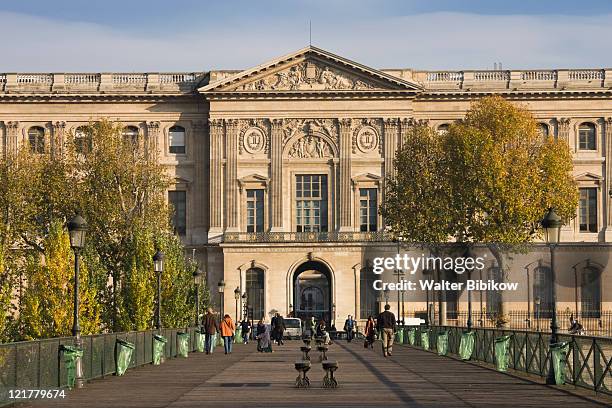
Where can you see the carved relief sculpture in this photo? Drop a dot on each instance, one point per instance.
(310, 146)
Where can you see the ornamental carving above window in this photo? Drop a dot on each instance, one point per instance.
(309, 147)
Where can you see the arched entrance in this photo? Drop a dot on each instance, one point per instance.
(312, 292)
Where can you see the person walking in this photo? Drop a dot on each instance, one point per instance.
(370, 332)
(209, 322)
(264, 345)
(278, 328)
(245, 325)
(386, 325)
(311, 327)
(349, 328)
(227, 331)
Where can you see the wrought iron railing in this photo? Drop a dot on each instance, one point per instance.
(309, 237)
(588, 363)
(39, 364)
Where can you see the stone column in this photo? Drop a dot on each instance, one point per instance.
(152, 139)
(276, 174)
(12, 137)
(231, 174)
(216, 178)
(608, 180)
(200, 181)
(564, 129)
(390, 134)
(345, 174)
(57, 138)
(2, 139)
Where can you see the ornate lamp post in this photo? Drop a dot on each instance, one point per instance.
(245, 297)
(198, 278)
(552, 233)
(77, 229)
(221, 289)
(469, 254)
(537, 304)
(386, 296)
(158, 267)
(237, 298)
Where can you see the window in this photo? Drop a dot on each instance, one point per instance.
(368, 305)
(36, 137)
(542, 292)
(494, 297)
(443, 129)
(255, 293)
(452, 296)
(176, 140)
(586, 134)
(590, 292)
(543, 130)
(368, 209)
(311, 203)
(130, 136)
(588, 209)
(178, 201)
(82, 140)
(255, 210)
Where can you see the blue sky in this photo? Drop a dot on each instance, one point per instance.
(190, 35)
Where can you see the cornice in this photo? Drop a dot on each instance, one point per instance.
(97, 97)
(516, 94)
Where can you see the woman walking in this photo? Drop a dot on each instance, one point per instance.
(264, 345)
(369, 333)
(227, 331)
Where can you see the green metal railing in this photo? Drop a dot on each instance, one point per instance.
(38, 364)
(588, 362)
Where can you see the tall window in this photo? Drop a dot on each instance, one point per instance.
(543, 130)
(588, 209)
(494, 298)
(36, 137)
(82, 140)
(311, 203)
(368, 209)
(367, 295)
(255, 293)
(176, 140)
(443, 129)
(542, 292)
(130, 136)
(587, 137)
(255, 210)
(178, 201)
(590, 292)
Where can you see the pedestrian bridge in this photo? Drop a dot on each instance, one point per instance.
(411, 377)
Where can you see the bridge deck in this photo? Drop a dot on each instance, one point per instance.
(410, 377)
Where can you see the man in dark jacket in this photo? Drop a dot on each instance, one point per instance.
(278, 328)
(349, 328)
(209, 323)
(386, 326)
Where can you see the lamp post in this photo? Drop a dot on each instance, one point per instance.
(158, 267)
(469, 254)
(237, 298)
(198, 277)
(221, 289)
(537, 304)
(77, 229)
(386, 295)
(552, 233)
(245, 297)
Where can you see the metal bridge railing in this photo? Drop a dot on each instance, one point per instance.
(38, 364)
(588, 362)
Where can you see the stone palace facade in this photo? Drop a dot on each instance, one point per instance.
(279, 170)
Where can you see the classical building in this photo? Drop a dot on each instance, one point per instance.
(280, 169)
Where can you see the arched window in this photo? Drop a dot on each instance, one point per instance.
(590, 292)
(130, 135)
(587, 137)
(443, 129)
(82, 140)
(36, 137)
(255, 293)
(494, 298)
(367, 295)
(176, 140)
(543, 130)
(542, 292)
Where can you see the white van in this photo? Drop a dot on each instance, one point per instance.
(293, 328)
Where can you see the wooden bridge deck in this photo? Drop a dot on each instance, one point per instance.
(410, 378)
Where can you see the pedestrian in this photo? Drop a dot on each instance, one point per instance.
(349, 328)
(386, 325)
(264, 345)
(278, 328)
(227, 331)
(311, 327)
(245, 325)
(209, 322)
(322, 332)
(370, 332)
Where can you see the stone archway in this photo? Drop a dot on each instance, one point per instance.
(312, 291)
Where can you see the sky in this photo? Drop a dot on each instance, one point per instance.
(200, 35)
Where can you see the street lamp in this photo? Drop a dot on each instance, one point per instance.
(237, 298)
(552, 233)
(158, 267)
(77, 229)
(245, 297)
(399, 273)
(386, 295)
(198, 278)
(221, 289)
(469, 254)
(537, 304)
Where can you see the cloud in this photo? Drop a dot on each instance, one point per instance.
(422, 41)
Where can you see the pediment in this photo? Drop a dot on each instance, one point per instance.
(588, 176)
(310, 70)
(365, 177)
(253, 179)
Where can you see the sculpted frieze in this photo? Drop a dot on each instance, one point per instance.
(367, 136)
(291, 127)
(308, 147)
(254, 136)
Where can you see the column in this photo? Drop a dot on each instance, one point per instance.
(152, 140)
(216, 180)
(405, 125)
(12, 139)
(276, 174)
(200, 182)
(390, 145)
(564, 129)
(57, 138)
(2, 139)
(345, 174)
(608, 180)
(231, 174)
